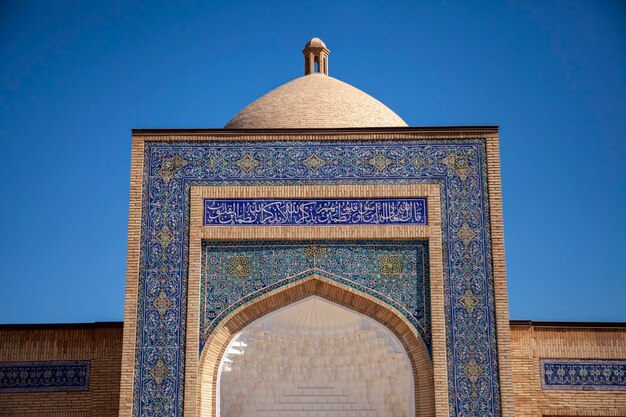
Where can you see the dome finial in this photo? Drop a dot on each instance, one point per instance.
(315, 57)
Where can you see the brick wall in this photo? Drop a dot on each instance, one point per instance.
(531, 342)
(100, 343)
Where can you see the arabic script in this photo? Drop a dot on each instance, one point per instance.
(300, 212)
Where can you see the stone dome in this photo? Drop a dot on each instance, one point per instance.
(315, 101)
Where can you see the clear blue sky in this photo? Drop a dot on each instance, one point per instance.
(75, 77)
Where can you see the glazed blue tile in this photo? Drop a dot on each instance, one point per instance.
(583, 374)
(57, 376)
(394, 272)
(457, 166)
(314, 211)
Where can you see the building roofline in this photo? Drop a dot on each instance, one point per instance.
(407, 129)
(570, 324)
(119, 324)
(64, 326)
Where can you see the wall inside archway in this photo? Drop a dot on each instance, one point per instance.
(315, 358)
(314, 285)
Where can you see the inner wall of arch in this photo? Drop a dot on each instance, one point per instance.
(315, 358)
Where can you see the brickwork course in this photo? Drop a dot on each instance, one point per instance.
(99, 343)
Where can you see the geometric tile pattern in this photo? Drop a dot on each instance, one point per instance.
(458, 166)
(47, 376)
(583, 374)
(394, 272)
(318, 211)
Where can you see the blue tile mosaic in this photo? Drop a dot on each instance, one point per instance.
(458, 166)
(394, 272)
(583, 374)
(314, 211)
(44, 376)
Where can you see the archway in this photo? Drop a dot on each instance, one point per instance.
(315, 285)
(315, 358)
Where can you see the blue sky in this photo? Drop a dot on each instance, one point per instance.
(75, 77)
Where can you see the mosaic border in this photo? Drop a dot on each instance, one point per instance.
(33, 377)
(586, 372)
(172, 168)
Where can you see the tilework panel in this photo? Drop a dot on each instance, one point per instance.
(314, 211)
(581, 374)
(458, 166)
(44, 376)
(394, 272)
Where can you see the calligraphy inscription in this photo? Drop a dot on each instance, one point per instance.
(576, 374)
(319, 212)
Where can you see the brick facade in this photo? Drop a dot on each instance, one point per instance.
(531, 342)
(99, 343)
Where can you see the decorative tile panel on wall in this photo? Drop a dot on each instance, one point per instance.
(315, 211)
(44, 376)
(236, 273)
(458, 166)
(583, 374)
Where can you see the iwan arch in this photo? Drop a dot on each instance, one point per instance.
(316, 276)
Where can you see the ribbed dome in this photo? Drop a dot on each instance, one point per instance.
(315, 101)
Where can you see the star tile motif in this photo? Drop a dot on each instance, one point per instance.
(380, 162)
(466, 234)
(247, 163)
(162, 303)
(469, 301)
(458, 164)
(390, 265)
(417, 162)
(165, 237)
(239, 267)
(314, 251)
(159, 372)
(473, 371)
(314, 162)
(170, 166)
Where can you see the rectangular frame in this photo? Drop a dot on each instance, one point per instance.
(430, 232)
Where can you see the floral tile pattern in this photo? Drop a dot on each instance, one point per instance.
(458, 166)
(581, 374)
(46, 376)
(395, 272)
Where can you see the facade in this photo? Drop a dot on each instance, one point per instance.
(319, 257)
(100, 346)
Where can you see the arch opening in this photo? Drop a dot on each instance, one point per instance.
(352, 301)
(315, 357)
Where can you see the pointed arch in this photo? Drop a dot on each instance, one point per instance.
(330, 290)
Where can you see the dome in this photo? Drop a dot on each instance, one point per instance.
(315, 101)
(315, 43)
